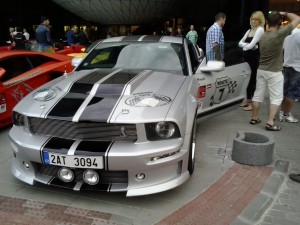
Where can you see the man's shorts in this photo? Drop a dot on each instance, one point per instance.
(291, 87)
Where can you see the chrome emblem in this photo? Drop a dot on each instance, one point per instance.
(122, 130)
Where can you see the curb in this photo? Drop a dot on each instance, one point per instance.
(254, 211)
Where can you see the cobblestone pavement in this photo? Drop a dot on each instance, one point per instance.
(220, 191)
(223, 201)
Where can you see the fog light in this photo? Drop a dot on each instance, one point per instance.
(90, 177)
(26, 165)
(65, 174)
(140, 176)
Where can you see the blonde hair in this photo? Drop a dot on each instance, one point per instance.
(260, 17)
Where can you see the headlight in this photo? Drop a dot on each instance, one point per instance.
(165, 129)
(18, 119)
(162, 130)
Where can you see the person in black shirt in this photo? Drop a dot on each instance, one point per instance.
(83, 37)
(19, 40)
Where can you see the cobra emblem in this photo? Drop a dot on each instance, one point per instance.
(123, 133)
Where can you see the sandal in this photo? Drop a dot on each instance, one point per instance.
(272, 127)
(248, 108)
(253, 121)
(244, 105)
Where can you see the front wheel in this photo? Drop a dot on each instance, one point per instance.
(191, 163)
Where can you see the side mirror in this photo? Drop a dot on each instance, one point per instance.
(213, 66)
(76, 61)
(2, 72)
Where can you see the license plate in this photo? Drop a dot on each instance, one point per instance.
(73, 160)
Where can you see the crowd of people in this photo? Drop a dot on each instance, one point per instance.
(273, 55)
(21, 40)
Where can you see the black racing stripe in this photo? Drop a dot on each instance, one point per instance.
(97, 187)
(41, 149)
(58, 145)
(95, 76)
(95, 100)
(55, 145)
(110, 91)
(131, 38)
(79, 91)
(106, 158)
(59, 183)
(67, 107)
(122, 77)
(92, 148)
(82, 88)
(152, 38)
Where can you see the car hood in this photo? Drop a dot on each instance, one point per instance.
(105, 95)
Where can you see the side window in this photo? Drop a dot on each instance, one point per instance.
(194, 57)
(21, 65)
(7, 64)
(14, 67)
(37, 60)
(233, 54)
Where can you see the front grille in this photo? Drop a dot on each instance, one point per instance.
(82, 130)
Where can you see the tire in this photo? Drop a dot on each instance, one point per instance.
(191, 162)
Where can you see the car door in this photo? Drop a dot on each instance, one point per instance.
(220, 88)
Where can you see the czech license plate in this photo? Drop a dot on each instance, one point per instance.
(73, 160)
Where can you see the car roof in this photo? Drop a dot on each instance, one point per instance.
(146, 38)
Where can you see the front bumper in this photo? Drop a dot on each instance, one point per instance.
(123, 163)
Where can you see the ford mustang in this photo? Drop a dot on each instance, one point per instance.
(125, 119)
(23, 71)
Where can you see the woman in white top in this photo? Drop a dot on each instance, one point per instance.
(250, 43)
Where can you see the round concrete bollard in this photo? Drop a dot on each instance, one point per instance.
(252, 149)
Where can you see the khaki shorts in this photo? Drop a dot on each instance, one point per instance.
(271, 81)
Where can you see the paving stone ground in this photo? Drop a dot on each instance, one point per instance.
(224, 200)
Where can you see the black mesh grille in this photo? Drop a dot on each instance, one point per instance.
(82, 130)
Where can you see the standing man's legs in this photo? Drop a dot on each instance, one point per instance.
(272, 113)
(258, 97)
(275, 85)
(291, 93)
(287, 105)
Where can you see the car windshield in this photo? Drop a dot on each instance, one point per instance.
(154, 56)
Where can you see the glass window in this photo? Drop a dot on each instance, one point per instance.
(132, 55)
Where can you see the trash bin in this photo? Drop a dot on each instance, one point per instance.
(252, 149)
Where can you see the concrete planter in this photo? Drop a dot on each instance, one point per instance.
(252, 149)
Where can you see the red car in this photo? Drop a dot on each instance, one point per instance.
(23, 71)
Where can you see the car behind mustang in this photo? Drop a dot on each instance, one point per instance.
(125, 119)
(23, 71)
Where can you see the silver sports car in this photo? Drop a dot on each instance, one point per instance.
(125, 119)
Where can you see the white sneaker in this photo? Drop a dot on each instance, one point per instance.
(290, 119)
(280, 116)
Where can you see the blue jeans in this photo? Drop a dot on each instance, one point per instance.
(291, 87)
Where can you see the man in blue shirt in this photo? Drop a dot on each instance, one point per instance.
(43, 37)
(71, 36)
(215, 39)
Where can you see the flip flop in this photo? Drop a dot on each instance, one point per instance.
(253, 121)
(272, 127)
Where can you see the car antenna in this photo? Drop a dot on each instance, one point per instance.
(65, 73)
